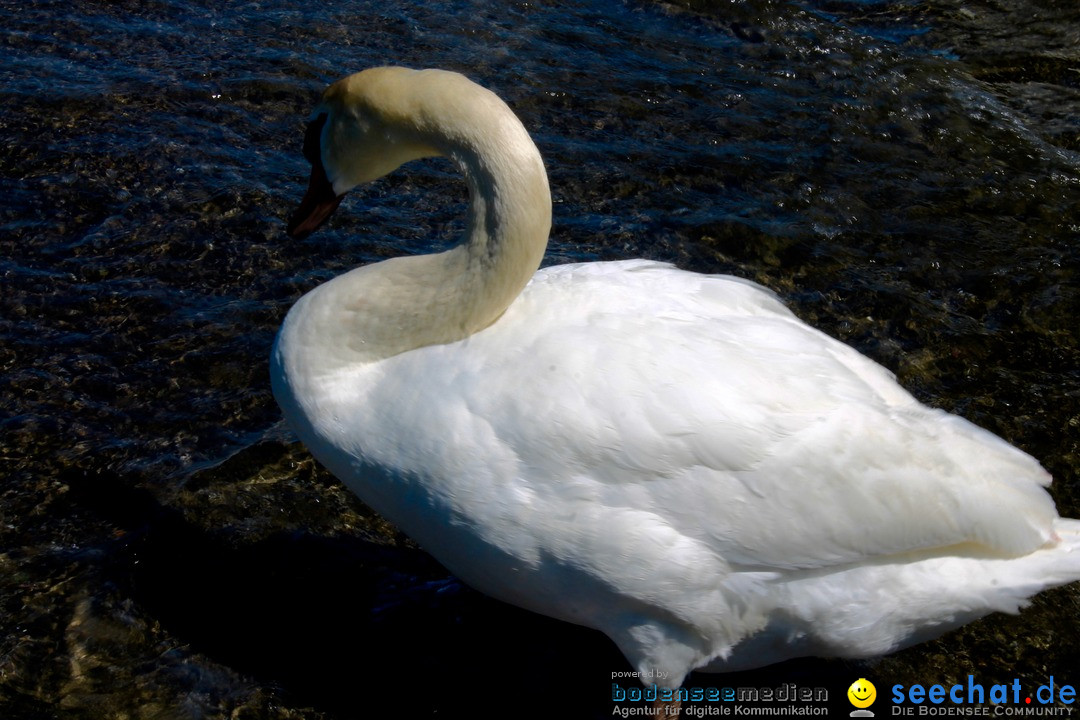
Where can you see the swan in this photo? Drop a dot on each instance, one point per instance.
(669, 457)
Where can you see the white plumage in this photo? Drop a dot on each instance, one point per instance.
(669, 457)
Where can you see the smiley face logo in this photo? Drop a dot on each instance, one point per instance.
(862, 693)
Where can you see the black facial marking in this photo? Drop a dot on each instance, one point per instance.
(313, 140)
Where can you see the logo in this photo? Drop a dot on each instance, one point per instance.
(862, 694)
(1052, 698)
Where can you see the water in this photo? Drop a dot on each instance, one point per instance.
(906, 175)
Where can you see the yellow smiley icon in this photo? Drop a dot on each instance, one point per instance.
(862, 693)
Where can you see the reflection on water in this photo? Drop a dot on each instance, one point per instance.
(905, 174)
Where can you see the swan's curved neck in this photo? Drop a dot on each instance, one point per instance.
(507, 226)
(381, 310)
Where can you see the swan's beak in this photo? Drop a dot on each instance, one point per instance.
(319, 203)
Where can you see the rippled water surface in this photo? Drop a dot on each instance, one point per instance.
(905, 174)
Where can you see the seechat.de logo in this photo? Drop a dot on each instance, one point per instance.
(973, 698)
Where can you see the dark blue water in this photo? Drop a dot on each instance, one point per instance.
(905, 174)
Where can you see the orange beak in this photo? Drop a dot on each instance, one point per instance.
(320, 201)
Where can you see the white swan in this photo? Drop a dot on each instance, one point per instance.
(669, 457)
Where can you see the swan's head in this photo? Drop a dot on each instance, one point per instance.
(366, 126)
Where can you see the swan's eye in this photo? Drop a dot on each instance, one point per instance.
(313, 140)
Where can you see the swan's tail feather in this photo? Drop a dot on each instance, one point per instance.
(1064, 547)
(1056, 563)
(1068, 530)
(890, 606)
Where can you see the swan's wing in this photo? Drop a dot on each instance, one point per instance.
(703, 401)
(653, 453)
(701, 406)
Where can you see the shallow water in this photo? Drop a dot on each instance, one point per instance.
(905, 174)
